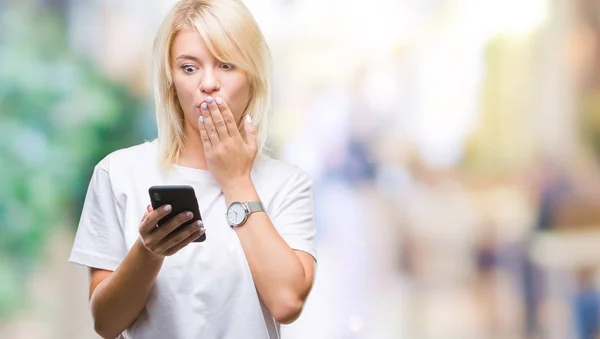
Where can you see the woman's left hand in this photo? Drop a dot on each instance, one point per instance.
(229, 157)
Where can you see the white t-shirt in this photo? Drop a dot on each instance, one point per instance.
(206, 289)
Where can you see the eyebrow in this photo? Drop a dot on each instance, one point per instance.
(188, 57)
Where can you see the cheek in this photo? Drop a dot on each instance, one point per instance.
(185, 92)
(240, 95)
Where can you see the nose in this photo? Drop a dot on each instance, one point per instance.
(209, 83)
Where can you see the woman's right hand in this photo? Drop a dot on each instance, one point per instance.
(159, 240)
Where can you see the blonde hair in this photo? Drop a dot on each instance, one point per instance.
(232, 35)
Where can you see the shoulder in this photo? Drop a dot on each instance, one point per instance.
(283, 187)
(129, 157)
(125, 169)
(126, 166)
(279, 174)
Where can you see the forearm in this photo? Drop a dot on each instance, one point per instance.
(119, 299)
(276, 269)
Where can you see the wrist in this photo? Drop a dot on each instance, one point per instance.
(147, 254)
(241, 189)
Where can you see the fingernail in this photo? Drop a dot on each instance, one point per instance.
(188, 215)
(248, 119)
(201, 119)
(219, 101)
(204, 106)
(202, 230)
(209, 100)
(199, 223)
(168, 208)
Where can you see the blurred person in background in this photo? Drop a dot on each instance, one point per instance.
(586, 305)
(552, 191)
(212, 79)
(486, 258)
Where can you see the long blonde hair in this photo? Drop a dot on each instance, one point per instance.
(232, 35)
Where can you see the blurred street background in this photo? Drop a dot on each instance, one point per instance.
(454, 144)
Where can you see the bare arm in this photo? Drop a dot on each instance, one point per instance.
(283, 276)
(117, 298)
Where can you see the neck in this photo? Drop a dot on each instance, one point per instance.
(192, 154)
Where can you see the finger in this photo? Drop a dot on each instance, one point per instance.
(250, 133)
(232, 127)
(164, 230)
(204, 135)
(208, 124)
(195, 234)
(177, 237)
(149, 223)
(148, 210)
(217, 118)
(144, 218)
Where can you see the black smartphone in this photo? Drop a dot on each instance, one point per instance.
(182, 198)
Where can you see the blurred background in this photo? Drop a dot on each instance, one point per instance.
(454, 144)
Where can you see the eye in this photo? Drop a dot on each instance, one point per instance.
(189, 69)
(227, 66)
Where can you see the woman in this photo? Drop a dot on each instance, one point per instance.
(211, 89)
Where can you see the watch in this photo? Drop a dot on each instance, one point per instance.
(238, 212)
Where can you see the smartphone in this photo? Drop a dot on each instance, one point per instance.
(182, 198)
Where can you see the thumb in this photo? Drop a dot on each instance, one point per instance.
(250, 132)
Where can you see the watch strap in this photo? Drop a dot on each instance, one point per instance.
(254, 206)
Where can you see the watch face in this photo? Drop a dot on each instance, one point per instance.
(236, 213)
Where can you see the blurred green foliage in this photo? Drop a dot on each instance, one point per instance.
(59, 115)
